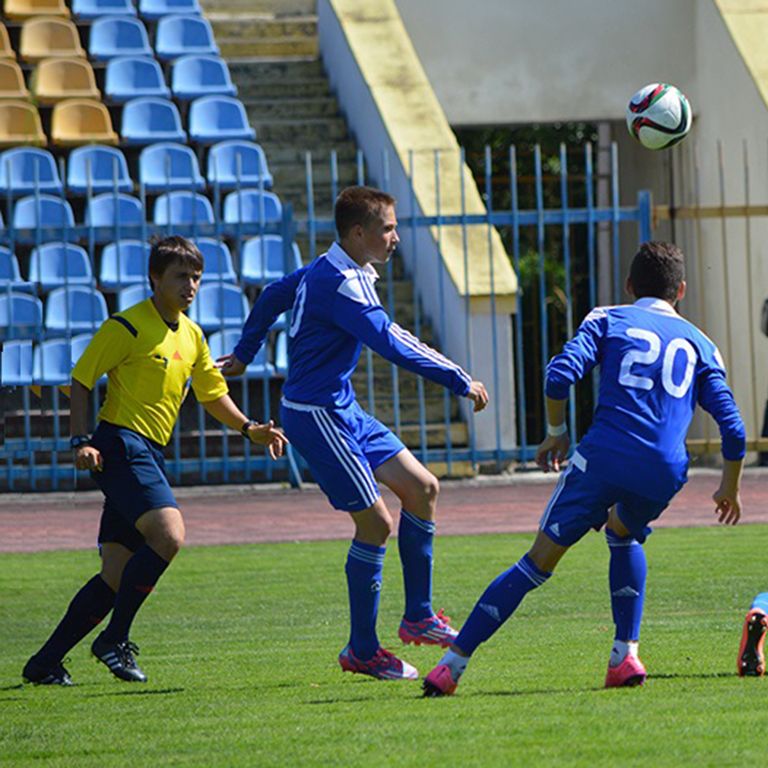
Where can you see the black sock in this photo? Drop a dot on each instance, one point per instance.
(87, 609)
(140, 575)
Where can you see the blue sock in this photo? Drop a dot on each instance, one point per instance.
(414, 540)
(761, 602)
(626, 577)
(499, 602)
(365, 565)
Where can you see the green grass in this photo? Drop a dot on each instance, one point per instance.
(240, 646)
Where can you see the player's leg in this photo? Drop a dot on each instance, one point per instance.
(751, 659)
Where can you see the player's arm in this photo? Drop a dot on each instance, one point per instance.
(554, 449)
(85, 455)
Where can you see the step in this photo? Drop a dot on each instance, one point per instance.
(284, 46)
(276, 8)
(299, 133)
(285, 153)
(287, 175)
(306, 88)
(274, 70)
(291, 107)
(260, 26)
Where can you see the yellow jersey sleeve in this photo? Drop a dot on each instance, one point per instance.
(208, 382)
(109, 347)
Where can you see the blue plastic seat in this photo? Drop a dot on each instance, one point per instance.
(50, 218)
(218, 118)
(114, 217)
(123, 263)
(262, 260)
(183, 208)
(56, 264)
(113, 36)
(156, 9)
(77, 346)
(131, 77)
(97, 169)
(21, 316)
(196, 76)
(237, 164)
(149, 120)
(222, 343)
(282, 323)
(94, 9)
(74, 309)
(25, 169)
(16, 366)
(281, 354)
(217, 259)
(10, 274)
(169, 166)
(52, 362)
(181, 35)
(218, 306)
(133, 294)
(251, 206)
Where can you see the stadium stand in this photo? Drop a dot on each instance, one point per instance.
(123, 263)
(56, 79)
(263, 261)
(223, 342)
(168, 166)
(25, 169)
(113, 216)
(195, 76)
(26, 9)
(217, 259)
(184, 35)
(12, 84)
(21, 316)
(113, 36)
(46, 37)
(81, 121)
(93, 169)
(74, 309)
(156, 9)
(251, 206)
(149, 120)
(77, 345)
(183, 207)
(52, 362)
(131, 77)
(218, 306)
(10, 274)
(16, 364)
(217, 118)
(94, 9)
(53, 265)
(235, 164)
(132, 294)
(20, 125)
(50, 218)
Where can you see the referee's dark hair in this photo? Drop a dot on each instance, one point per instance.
(166, 250)
(359, 205)
(657, 270)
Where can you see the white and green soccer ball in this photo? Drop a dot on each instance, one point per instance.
(659, 115)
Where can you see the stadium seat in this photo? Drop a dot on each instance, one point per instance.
(217, 259)
(114, 216)
(149, 120)
(46, 37)
(124, 263)
(16, 364)
(77, 346)
(168, 166)
(156, 9)
(281, 354)
(52, 265)
(113, 36)
(74, 309)
(81, 121)
(6, 49)
(20, 124)
(183, 208)
(282, 323)
(251, 206)
(218, 306)
(183, 36)
(25, 170)
(196, 76)
(217, 118)
(27, 9)
(262, 260)
(131, 77)
(223, 342)
(21, 316)
(58, 79)
(12, 83)
(52, 362)
(49, 218)
(10, 274)
(93, 169)
(94, 9)
(133, 294)
(238, 164)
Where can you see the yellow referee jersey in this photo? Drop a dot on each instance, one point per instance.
(148, 366)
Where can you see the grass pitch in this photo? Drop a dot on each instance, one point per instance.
(240, 647)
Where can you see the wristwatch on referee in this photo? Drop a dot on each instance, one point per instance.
(78, 441)
(248, 424)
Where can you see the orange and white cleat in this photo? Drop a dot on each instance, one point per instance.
(751, 660)
(630, 672)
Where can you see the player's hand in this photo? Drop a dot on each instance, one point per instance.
(230, 366)
(552, 452)
(268, 434)
(88, 457)
(478, 395)
(728, 505)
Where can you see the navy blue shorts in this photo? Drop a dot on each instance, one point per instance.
(133, 481)
(343, 447)
(581, 501)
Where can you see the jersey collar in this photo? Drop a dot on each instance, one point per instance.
(658, 305)
(343, 261)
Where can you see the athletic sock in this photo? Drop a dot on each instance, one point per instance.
(621, 649)
(364, 569)
(499, 602)
(456, 662)
(139, 577)
(414, 541)
(87, 609)
(626, 576)
(761, 602)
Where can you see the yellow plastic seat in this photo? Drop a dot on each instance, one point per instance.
(20, 124)
(6, 49)
(46, 36)
(58, 79)
(81, 121)
(27, 9)
(12, 85)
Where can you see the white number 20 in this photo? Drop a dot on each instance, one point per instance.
(651, 355)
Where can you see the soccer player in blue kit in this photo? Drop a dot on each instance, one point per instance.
(655, 367)
(336, 311)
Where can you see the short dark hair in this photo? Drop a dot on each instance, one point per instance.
(166, 250)
(657, 270)
(359, 205)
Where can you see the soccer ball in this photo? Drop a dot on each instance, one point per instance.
(658, 116)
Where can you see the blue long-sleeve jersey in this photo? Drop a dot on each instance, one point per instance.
(335, 310)
(655, 366)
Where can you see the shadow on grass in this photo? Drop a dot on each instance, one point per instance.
(154, 692)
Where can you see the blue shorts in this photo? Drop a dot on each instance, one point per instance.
(581, 501)
(133, 481)
(342, 447)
